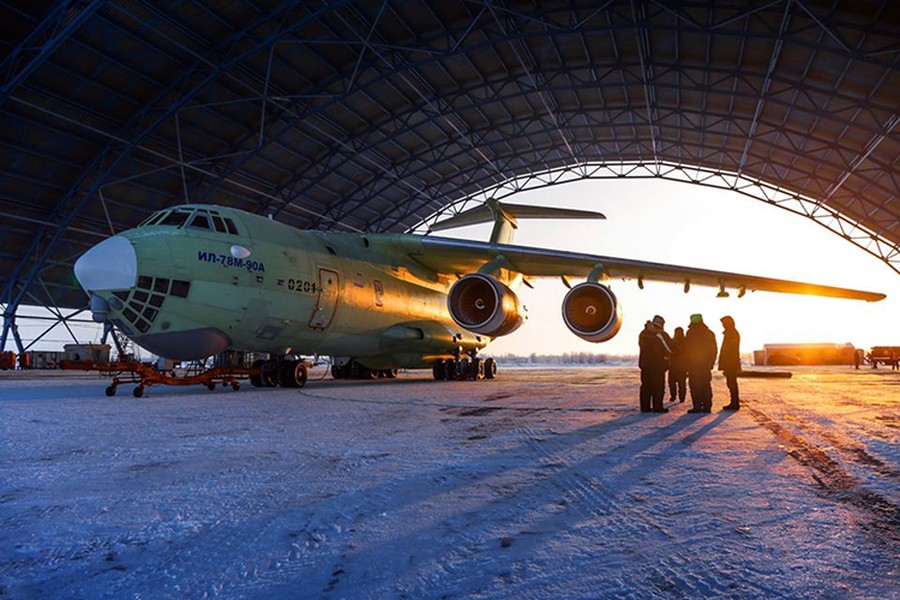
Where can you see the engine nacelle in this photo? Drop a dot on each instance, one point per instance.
(592, 312)
(481, 304)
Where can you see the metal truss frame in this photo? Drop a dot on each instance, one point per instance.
(820, 213)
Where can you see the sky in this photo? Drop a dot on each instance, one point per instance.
(691, 225)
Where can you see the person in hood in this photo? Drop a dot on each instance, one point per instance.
(700, 351)
(653, 361)
(730, 361)
(677, 370)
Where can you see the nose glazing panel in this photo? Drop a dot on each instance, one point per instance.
(110, 265)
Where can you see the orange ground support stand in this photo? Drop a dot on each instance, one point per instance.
(146, 375)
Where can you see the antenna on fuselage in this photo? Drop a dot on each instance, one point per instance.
(505, 217)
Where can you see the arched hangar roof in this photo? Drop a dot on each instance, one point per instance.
(375, 115)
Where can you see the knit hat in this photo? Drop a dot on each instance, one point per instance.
(659, 321)
(696, 318)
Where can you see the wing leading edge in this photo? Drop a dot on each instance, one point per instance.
(445, 255)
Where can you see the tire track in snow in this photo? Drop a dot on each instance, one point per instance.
(835, 482)
(669, 574)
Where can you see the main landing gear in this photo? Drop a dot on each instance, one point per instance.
(287, 373)
(471, 368)
(354, 370)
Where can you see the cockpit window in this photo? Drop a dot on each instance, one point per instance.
(219, 223)
(154, 218)
(176, 218)
(198, 218)
(200, 221)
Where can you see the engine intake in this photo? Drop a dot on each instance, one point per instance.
(592, 312)
(481, 304)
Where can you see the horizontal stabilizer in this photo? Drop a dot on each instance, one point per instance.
(485, 214)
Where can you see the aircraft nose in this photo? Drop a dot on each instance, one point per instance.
(110, 265)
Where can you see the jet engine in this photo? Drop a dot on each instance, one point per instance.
(592, 312)
(481, 304)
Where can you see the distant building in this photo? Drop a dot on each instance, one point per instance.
(804, 354)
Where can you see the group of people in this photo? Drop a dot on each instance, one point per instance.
(689, 359)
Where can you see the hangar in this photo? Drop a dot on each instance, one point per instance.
(381, 116)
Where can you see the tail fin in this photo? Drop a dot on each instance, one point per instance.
(505, 217)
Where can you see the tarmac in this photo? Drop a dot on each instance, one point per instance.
(544, 483)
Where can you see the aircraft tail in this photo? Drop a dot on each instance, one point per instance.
(504, 217)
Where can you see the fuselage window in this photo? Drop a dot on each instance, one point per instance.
(176, 218)
(231, 228)
(200, 221)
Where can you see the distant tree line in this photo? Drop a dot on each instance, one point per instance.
(567, 358)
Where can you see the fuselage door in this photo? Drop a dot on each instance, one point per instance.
(329, 289)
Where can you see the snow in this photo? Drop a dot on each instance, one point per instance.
(541, 484)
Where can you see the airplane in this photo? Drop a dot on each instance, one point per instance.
(195, 280)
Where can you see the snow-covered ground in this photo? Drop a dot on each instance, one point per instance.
(541, 484)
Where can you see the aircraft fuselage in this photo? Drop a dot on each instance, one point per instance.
(205, 279)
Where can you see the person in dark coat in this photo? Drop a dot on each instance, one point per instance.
(677, 371)
(730, 361)
(700, 351)
(653, 361)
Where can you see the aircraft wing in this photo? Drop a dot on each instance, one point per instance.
(445, 255)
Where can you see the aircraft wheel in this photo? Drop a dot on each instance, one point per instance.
(256, 380)
(464, 371)
(269, 374)
(451, 370)
(476, 369)
(138, 391)
(300, 375)
(293, 374)
(110, 390)
(390, 373)
(337, 372)
(235, 385)
(490, 368)
(439, 369)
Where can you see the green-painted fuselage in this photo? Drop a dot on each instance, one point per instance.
(253, 284)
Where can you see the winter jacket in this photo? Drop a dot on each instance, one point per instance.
(700, 348)
(730, 354)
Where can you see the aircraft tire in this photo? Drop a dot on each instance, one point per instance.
(439, 369)
(293, 374)
(490, 368)
(337, 372)
(269, 375)
(256, 380)
(451, 370)
(476, 369)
